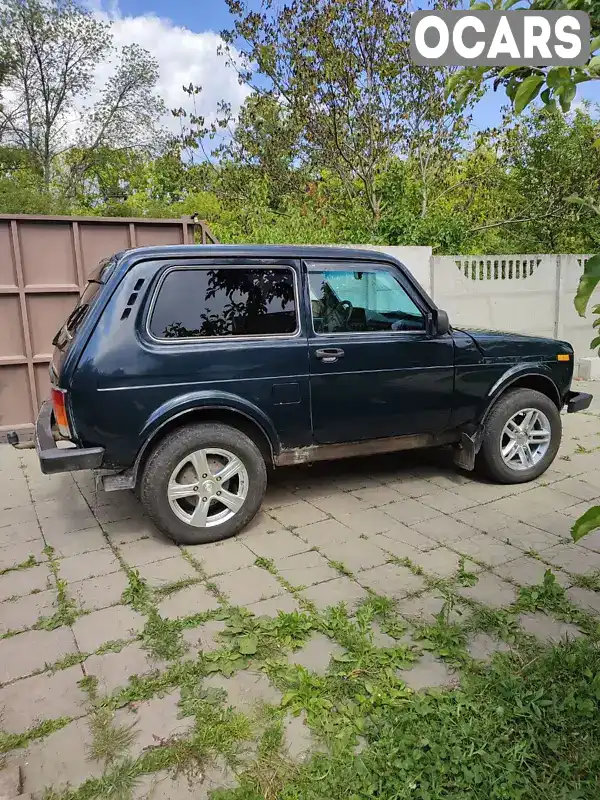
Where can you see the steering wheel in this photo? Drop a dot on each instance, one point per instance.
(348, 307)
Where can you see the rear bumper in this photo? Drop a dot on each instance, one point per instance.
(577, 401)
(57, 459)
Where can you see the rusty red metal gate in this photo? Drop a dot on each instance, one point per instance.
(44, 264)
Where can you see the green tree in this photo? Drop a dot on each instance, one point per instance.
(333, 94)
(556, 86)
(53, 49)
(549, 158)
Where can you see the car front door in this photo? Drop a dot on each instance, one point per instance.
(376, 367)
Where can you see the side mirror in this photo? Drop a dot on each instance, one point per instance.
(442, 323)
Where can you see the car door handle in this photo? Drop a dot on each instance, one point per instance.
(329, 355)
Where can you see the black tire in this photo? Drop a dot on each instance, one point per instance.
(165, 458)
(489, 460)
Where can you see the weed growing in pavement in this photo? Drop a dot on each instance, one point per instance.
(12, 741)
(89, 685)
(581, 450)
(66, 661)
(393, 626)
(218, 728)
(210, 585)
(257, 637)
(66, 613)
(269, 565)
(466, 742)
(590, 581)
(193, 621)
(266, 563)
(109, 740)
(113, 646)
(29, 562)
(406, 562)
(463, 576)
(340, 567)
(268, 775)
(547, 596)
(162, 637)
(137, 594)
(445, 638)
(117, 783)
(171, 588)
(417, 746)
(498, 623)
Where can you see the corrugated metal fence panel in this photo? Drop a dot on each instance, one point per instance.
(44, 264)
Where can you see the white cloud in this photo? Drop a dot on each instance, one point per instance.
(183, 56)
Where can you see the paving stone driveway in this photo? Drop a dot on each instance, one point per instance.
(91, 595)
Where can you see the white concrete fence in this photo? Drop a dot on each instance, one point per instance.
(525, 293)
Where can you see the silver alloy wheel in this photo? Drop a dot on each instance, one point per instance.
(208, 487)
(525, 439)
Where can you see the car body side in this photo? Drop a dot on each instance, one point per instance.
(126, 388)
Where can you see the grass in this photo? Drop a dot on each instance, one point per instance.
(447, 640)
(29, 562)
(463, 576)
(525, 727)
(12, 741)
(171, 588)
(67, 611)
(109, 740)
(340, 567)
(162, 638)
(137, 594)
(514, 731)
(590, 581)
(68, 660)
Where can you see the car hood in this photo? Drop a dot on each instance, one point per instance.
(504, 343)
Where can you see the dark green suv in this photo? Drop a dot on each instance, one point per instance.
(188, 371)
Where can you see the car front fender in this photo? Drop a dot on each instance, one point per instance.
(517, 372)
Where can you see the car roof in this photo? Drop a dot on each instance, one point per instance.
(126, 259)
(254, 251)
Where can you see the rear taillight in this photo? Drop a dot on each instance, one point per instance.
(59, 404)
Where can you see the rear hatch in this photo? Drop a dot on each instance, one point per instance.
(66, 333)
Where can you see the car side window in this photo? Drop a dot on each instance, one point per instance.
(195, 303)
(362, 300)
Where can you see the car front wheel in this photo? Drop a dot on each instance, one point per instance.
(521, 437)
(203, 483)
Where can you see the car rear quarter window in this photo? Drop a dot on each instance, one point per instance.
(194, 303)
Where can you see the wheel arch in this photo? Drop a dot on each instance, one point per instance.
(240, 415)
(520, 377)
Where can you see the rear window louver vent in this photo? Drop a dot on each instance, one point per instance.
(132, 298)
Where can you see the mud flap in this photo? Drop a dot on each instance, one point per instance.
(466, 450)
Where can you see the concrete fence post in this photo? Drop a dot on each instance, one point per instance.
(558, 300)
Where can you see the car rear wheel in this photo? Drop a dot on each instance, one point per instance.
(521, 438)
(203, 483)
